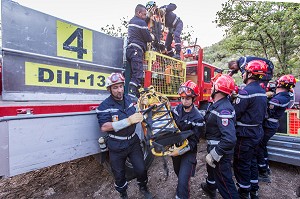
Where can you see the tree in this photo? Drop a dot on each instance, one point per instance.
(119, 31)
(267, 29)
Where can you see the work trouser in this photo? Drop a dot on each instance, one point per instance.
(262, 152)
(245, 164)
(117, 162)
(176, 31)
(184, 167)
(221, 176)
(134, 56)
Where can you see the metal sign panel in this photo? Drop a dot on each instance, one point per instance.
(46, 58)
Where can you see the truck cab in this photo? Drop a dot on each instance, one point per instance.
(201, 73)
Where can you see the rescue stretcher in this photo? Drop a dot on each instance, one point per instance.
(160, 130)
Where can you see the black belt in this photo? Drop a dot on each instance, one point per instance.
(136, 45)
(121, 137)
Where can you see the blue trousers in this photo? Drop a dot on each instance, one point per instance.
(136, 157)
(221, 177)
(184, 167)
(176, 32)
(262, 152)
(134, 56)
(245, 163)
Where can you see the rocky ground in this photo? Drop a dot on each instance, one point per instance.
(86, 178)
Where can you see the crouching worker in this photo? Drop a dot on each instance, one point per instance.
(117, 116)
(221, 139)
(187, 117)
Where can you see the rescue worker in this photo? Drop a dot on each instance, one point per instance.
(276, 108)
(174, 25)
(138, 36)
(240, 64)
(250, 107)
(187, 117)
(221, 138)
(117, 116)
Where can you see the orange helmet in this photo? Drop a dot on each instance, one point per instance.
(257, 67)
(114, 78)
(189, 89)
(224, 84)
(286, 81)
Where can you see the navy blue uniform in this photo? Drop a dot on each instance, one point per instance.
(276, 107)
(120, 149)
(138, 36)
(184, 165)
(175, 26)
(242, 61)
(251, 108)
(220, 134)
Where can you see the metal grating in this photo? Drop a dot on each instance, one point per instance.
(166, 73)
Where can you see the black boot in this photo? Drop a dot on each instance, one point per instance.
(144, 190)
(123, 195)
(244, 194)
(254, 194)
(264, 177)
(211, 192)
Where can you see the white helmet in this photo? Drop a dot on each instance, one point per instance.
(114, 78)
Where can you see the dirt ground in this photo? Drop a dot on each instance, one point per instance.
(86, 178)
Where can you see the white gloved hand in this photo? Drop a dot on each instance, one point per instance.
(135, 118)
(162, 11)
(210, 161)
(270, 94)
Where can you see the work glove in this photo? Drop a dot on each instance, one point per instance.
(210, 161)
(213, 156)
(182, 151)
(135, 118)
(162, 11)
(270, 94)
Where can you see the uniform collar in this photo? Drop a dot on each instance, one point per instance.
(216, 104)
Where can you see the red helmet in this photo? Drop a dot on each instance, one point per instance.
(224, 84)
(114, 78)
(189, 89)
(257, 67)
(286, 81)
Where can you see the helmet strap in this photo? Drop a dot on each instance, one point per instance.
(246, 78)
(214, 93)
(193, 100)
(187, 107)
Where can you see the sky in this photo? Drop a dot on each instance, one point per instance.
(95, 14)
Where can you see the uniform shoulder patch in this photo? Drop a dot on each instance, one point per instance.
(225, 112)
(243, 92)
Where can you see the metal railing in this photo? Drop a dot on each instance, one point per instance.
(285, 149)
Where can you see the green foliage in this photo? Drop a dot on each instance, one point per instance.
(121, 31)
(117, 31)
(186, 35)
(265, 29)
